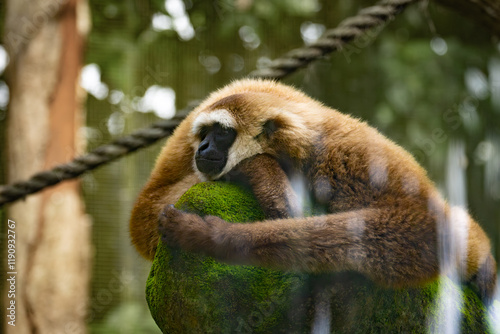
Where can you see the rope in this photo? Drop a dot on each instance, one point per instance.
(332, 40)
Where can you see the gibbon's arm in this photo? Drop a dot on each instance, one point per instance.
(373, 242)
(394, 246)
(269, 184)
(355, 240)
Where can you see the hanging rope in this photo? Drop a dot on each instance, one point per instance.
(332, 41)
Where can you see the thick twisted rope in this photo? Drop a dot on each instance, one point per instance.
(101, 155)
(332, 40)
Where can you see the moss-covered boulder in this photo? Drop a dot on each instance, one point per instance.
(188, 293)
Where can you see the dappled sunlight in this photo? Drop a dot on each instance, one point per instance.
(90, 80)
(160, 100)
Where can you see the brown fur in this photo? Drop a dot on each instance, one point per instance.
(383, 216)
(270, 186)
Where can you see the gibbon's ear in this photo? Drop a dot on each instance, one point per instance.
(270, 127)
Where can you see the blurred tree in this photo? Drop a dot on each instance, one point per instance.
(486, 12)
(44, 40)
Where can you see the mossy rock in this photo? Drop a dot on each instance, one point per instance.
(188, 293)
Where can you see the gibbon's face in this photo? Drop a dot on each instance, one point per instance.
(238, 126)
(220, 143)
(216, 140)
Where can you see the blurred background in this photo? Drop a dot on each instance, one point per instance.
(430, 81)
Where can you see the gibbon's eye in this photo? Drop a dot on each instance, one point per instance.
(224, 136)
(203, 132)
(223, 131)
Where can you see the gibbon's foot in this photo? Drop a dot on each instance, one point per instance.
(188, 231)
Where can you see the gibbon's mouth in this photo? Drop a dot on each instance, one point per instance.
(210, 166)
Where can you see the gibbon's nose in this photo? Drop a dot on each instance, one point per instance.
(208, 150)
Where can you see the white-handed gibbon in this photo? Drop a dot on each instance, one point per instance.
(382, 216)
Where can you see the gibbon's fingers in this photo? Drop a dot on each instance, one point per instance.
(183, 230)
(193, 233)
(270, 186)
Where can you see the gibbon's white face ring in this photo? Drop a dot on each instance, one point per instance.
(245, 146)
(221, 116)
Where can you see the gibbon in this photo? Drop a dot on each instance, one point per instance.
(381, 215)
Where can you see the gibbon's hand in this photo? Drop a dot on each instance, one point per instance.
(179, 229)
(209, 235)
(188, 231)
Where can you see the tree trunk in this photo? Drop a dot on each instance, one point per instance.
(44, 39)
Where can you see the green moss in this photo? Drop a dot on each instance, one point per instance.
(188, 293)
(226, 200)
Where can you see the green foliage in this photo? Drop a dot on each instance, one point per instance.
(189, 293)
